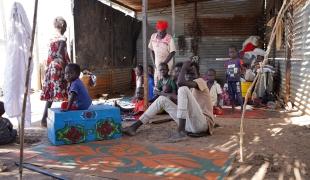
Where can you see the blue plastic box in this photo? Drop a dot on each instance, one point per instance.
(97, 123)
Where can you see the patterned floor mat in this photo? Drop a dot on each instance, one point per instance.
(124, 160)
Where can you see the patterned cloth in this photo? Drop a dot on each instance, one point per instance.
(55, 85)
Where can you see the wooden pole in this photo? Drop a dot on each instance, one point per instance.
(284, 7)
(144, 44)
(288, 49)
(173, 18)
(22, 123)
(173, 26)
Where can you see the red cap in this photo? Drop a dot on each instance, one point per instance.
(161, 25)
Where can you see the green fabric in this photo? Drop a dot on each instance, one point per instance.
(170, 82)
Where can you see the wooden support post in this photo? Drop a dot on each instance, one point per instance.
(144, 44)
(22, 123)
(288, 49)
(283, 9)
(173, 25)
(173, 18)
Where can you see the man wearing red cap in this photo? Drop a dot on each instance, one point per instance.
(162, 48)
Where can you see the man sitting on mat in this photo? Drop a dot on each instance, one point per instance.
(194, 111)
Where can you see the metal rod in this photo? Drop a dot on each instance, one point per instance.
(144, 36)
(41, 171)
(22, 123)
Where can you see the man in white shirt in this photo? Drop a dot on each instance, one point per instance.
(162, 48)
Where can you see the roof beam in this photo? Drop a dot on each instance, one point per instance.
(124, 5)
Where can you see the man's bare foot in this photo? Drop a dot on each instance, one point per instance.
(177, 137)
(130, 131)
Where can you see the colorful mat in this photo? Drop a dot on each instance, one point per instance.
(250, 114)
(122, 160)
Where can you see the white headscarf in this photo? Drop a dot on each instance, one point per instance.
(18, 46)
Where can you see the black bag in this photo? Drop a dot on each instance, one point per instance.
(7, 133)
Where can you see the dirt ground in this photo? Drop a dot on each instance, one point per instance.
(274, 148)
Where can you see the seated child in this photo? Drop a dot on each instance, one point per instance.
(139, 76)
(7, 133)
(166, 86)
(215, 92)
(79, 98)
(138, 101)
(214, 87)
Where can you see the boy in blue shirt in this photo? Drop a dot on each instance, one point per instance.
(233, 71)
(79, 98)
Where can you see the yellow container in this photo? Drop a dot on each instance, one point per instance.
(244, 87)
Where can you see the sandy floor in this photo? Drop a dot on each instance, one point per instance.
(275, 148)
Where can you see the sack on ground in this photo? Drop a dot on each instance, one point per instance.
(7, 133)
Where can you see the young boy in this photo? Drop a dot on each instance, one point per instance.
(214, 87)
(138, 110)
(165, 86)
(79, 98)
(233, 71)
(7, 133)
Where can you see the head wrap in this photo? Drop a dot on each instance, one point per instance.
(259, 52)
(161, 25)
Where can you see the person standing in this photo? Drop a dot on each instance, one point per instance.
(162, 48)
(54, 85)
(233, 68)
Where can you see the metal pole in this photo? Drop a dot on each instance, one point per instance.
(144, 36)
(22, 123)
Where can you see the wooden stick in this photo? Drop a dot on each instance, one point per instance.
(144, 42)
(284, 7)
(22, 123)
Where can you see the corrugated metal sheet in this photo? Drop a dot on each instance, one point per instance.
(218, 21)
(300, 62)
(112, 81)
(300, 74)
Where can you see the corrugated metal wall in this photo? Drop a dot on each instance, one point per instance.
(105, 44)
(300, 62)
(223, 23)
(300, 73)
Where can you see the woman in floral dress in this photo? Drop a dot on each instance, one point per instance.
(55, 85)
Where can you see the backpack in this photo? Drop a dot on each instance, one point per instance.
(7, 133)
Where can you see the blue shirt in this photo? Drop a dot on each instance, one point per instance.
(233, 70)
(83, 100)
(151, 87)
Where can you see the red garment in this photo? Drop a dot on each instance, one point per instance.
(139, 109)
(64, 106)
(217, 111)
(139, 106)
(161, 25)
(54, 85)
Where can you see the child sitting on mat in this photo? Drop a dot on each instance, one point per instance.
(138, 102)
(215, 91)
(79, 98)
